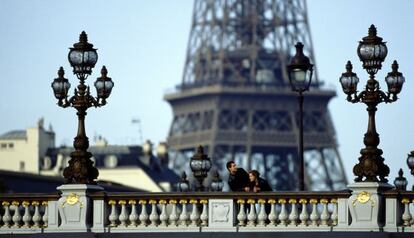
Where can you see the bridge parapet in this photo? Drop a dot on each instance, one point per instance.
(203, 212)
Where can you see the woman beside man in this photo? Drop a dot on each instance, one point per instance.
(256, 183)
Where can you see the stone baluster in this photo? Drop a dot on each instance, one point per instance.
(314, 217)
(133, 217)
(304, 216)
(325, 213)
(6, 217)
(334, 216)
(183, 218)
(262, 216)
(241, 216)
(45, 217)
(406, 217)
(17, 218)
(143, 216)
(283, 215)
(113, 216)
(123, 217)
(412, 217)
(194, 213)
(163, 215)
(154, 214)
(173, 216)
(204, 213)
(27, 217)
(36, 215)
(272, 215)
(251, 217)
(294, 214)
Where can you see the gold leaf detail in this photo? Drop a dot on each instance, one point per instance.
(363, 197)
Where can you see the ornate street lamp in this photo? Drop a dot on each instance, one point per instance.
(400, 182)
(216, 182)
(300, 73)
(410, 163)
(82, 57)
(200, 164)
(183, 185)
(372, 52)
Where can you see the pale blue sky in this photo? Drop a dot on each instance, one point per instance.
(143, 44)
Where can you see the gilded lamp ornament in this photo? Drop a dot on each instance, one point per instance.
(82, 57)
(372, 52)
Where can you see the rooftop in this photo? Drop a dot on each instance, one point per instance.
(14, 135)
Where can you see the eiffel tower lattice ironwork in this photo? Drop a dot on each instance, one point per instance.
(236, 101)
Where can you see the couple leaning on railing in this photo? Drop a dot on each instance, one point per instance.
(240, 180)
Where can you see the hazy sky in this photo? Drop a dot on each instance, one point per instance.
(143, 44)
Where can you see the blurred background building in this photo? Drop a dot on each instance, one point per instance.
(33, 152)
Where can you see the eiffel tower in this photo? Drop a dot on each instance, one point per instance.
(235, 98)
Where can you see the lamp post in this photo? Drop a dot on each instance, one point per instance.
(372, 52)
(200, 164)
(82, 57)
(300, 72)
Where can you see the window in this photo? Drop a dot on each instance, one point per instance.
(11, 145)
(3, 145)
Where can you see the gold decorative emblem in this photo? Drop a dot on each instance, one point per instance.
(72, 199)
(363, 197)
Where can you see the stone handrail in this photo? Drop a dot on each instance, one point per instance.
(221, 211)
(85, 208)
(407, 201)
(400, 210)
(24, 212)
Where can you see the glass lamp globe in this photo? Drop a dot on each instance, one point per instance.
(400, 182)
(200, 163)
(82, 56)
(216, 183)
(394, 79)
(349, 80)
(60, 85)
(410, 162)
(104, 84)
(372, 51)
(183, 185)
(300, 70)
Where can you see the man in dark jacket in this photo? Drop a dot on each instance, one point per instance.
(238, 177)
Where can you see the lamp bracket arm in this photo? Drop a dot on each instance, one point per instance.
(93, 102)
(388, 97)
(66, 103)
(355, 98)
